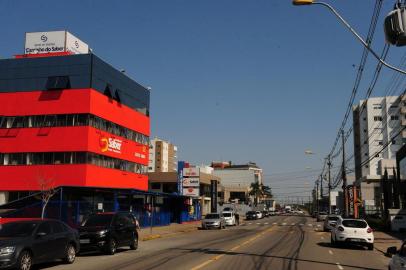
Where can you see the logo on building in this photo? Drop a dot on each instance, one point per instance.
(110, 144)
(44, 38)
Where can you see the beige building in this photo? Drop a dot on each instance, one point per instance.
(162, 156)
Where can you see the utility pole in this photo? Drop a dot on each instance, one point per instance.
(317, 195)
(321, 189)
(329, 183)
(344, 176)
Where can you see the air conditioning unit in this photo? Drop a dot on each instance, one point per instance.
(395, 27)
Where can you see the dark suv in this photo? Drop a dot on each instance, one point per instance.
(109, 231)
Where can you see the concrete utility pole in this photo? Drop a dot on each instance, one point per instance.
(321, 188)
(317, 195)
(329, 183)
(344, 176)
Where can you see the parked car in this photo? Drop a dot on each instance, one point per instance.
(230, 218)
(330, 222)
(321, 216)
(109, 231)
(398, 260)
(314, 214)
(259, 214)
(251, 215)
(214, 220)
(265, 213)
(31, 241)
(272, 213)
(354, 231)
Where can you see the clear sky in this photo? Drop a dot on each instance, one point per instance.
(236, 80)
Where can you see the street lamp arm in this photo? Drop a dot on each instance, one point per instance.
(359, 37)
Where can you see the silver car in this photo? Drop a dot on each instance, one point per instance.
(214, 220)
(330, 222)
(321, 216)
(398, 260)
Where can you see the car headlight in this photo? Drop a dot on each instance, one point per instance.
(216, 222)
(102, 233)
(7, 251)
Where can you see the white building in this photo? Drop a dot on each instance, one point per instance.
(162, 156)
(237, 179)
(374, 126)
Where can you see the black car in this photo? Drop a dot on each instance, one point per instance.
(251, 215)
(109, 231)
(24, 243)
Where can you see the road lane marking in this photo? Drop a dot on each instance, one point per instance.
(339, 266)
(330, 251)
(266, 223)
(274, 223)
(258, 223)
(301, 224)
(293, 224)
(250, 223)
(216, 258)
(283, 224)
(309, 225)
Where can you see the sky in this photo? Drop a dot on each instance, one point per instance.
(237, 80)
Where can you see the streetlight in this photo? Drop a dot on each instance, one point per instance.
(366, 45)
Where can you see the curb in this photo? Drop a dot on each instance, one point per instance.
(157, 236)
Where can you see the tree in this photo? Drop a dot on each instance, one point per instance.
(258, 190)
(48, 190)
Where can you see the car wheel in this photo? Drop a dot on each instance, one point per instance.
(70, 255)
(370, 246)
(24, 260)
(134, 244)
(111, 246)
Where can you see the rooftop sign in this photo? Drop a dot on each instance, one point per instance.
(54, 42)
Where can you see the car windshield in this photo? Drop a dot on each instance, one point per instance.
(227, 214)
(322, 213)
(353, 223)
(333, 218)
(17, 229)
(98, 220)
(212, 216)
(251, 213)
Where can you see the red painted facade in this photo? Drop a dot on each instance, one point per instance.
(71, 139)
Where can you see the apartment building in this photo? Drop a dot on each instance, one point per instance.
(376, 122)
(162, 156)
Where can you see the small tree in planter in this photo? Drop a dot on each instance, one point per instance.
(48, 190)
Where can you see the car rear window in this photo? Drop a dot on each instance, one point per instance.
(17, 229)
(212, 216)
(355, 223)
(251, 213)
(227, 214)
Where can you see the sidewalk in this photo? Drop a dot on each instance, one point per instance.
(383, 240)
(166, 231)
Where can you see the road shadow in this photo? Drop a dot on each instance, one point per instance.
(342, 246)
(95, 253)
(289, 258)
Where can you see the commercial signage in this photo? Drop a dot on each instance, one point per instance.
(191, 182)
(191, 191)
(110, 144)
(54, 42)
(191, 172)
(213, 195)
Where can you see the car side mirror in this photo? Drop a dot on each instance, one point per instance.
(391, 251)
(41, 234)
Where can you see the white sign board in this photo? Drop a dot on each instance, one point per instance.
(191, 191)
(191, 182)
(54, 42)
(191, 172)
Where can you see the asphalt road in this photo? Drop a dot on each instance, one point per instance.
(282, 242)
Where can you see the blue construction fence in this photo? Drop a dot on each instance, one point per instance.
(170, 209)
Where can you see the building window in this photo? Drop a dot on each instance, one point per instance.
(394, 117)
(377, 118)
(377, 106)
(379, 142)
(155, 185)
(56, 158)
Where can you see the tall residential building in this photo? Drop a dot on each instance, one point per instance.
(374, 127)
(162, 156)
(236, 179)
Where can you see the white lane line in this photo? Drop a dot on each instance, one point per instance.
(249, 223)
(284, 223)
(309, 225)
(330, 251)
(322, 238)
(258, 223)
(274, 223)
(266, 223)
(293, 224)
(319, 225)
(339, 266)
(301, 224)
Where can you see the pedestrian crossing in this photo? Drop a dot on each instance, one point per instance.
(282, 224)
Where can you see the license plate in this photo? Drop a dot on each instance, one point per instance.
(355, 240)
(84, 241)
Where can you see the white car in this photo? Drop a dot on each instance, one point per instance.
(355, 231)
(230, 218)
(259, 214)
(398, 260)
(330, 222)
